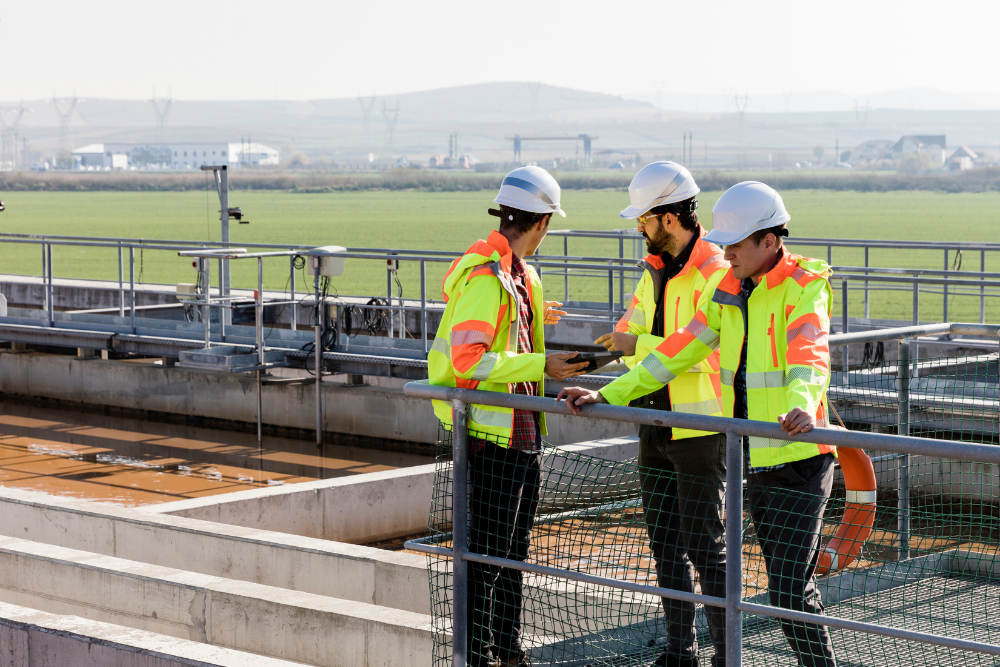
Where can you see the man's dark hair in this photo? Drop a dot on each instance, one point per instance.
(515, 220)
(778, 231)
(686, 212)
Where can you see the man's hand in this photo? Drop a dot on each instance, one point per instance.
(551, 314)
(557, 368)
(618, 342)
(577, 396)
(797, 421)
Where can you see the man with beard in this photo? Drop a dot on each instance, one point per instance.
(682, 472)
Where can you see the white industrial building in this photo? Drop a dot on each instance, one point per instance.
(174, 155)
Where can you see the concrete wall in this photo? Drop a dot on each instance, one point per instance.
(31, 638)
(362, 508)
(351, 572)
(374, 412)
(270, 621)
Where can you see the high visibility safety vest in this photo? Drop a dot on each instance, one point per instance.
(697, 390)
(788, 352)
(476, 342)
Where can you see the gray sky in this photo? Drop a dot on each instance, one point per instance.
(223, 49)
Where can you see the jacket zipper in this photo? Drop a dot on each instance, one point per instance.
(774, 346)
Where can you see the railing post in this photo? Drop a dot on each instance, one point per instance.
(734, 549)
(866, 283)
(423, 303)
(318, 354)
(291, 294)
(621, 272)
(916, 299)
(903, 428)
(945, 318)
(844, 325)
(611, 298)
(206, 293)
(50, 290)
(388, 291)
(566, 269)
(223, 303)
(460, 537)
(121, 282)
(131, 287)
(982, 289)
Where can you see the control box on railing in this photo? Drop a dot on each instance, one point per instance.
(328, 266)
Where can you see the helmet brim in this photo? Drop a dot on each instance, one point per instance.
(632, 212)
(725, 238)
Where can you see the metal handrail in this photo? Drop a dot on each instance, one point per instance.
(733, 602)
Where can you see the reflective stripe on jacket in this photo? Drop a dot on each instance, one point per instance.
(476, 342)
(788, 354)
(698, 389)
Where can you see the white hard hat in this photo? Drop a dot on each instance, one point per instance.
(743, 209)
(656, 184)
(530, 189)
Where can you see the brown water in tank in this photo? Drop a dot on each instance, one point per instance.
(133, 462)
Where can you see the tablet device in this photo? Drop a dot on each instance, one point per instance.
(596, 359)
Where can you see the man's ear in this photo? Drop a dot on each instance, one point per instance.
(543, 223)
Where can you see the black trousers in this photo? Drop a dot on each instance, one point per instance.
(683, 486)
(787, 507)
(504, 498)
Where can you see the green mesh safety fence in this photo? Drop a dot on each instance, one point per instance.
(617, 519)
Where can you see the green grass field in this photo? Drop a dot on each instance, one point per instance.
(451, 220)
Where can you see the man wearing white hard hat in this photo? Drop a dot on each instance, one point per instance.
(682, 472)
(492, 338)
(770, 320)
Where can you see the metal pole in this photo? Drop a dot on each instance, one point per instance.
(566, 270)
(423, 303)
(121, 282)
(223, 310)
(916, 301)
(131, 286)
(903, 428)
(224, 218)
(945, 319)
(845, 349)
(206, 293)
(388, 291)
(291, 281)
(259, 307)
(866, 284)
(460, 538)
(829, 255)
(621, 272)
(611, 298)
(982, 290)
(734, 549)
(318, 352)
(50, 300)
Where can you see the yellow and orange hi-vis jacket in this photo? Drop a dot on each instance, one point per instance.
(787, 321)
(476, 342)
(698, 389)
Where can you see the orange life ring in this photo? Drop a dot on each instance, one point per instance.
(859, 512)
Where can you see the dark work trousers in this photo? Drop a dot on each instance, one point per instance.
(682, 499)
(504, 498)
(787, 507)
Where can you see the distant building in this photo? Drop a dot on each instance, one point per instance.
(962, 159)
(931, 145)
(174, 155)
(870, 152)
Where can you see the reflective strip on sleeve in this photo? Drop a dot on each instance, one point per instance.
(805, 374)
(701, 331)
(861, 497)
(491, 417)
(441, 346)
(637, 317)
(708, 407)
(657, 369)
(727, 376)
(470, 337)
(766, 380)
(807, 330)
(485, 367)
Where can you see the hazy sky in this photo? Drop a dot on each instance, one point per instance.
(222, 49)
